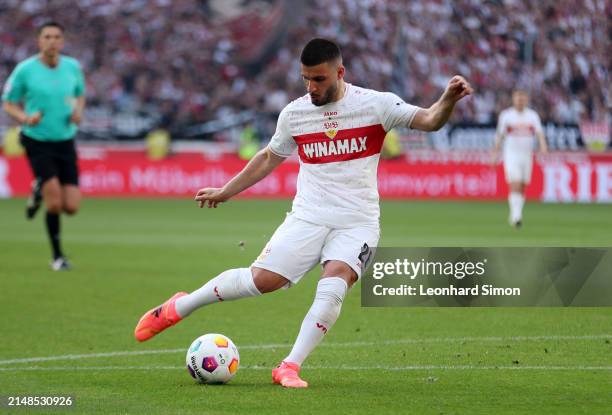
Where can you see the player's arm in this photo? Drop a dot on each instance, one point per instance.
(79, 94)
(12, 96)
(258, 167)
(77, 112)
(539, 131)
(19, 115)
(542, 142)
(499, 138)
(500, 135)
(434, 117)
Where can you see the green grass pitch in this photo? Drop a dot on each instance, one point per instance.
(130, 255)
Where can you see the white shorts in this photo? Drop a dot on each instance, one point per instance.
(297, 246)
(518, 167)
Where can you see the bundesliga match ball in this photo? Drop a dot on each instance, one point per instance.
(212, 358)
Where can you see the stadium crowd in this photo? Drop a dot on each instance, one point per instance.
(178, 58)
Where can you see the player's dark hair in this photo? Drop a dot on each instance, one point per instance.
(50, 23)
(318, 51)
(520, 90)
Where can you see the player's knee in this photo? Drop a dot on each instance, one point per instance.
(53, 205)
(71, 208)
(341, 270)
(267, 281)
(516, 187)
(72, 199)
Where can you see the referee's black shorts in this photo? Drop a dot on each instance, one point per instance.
(52, 159)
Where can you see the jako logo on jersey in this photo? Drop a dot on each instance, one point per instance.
(322, 327)
(340, 145)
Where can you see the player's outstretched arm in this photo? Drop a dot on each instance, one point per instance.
(259, 167)
(434, 117)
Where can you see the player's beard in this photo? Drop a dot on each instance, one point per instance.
(325, 99)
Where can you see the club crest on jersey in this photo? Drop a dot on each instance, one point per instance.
(331, 133)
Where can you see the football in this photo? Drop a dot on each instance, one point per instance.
(213, 359)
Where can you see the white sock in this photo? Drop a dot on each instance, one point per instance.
(229, 285)
(516, 201)
(320, 318)
(520, 204)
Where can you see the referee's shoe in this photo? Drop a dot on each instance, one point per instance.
(34, 201)
(60, 264)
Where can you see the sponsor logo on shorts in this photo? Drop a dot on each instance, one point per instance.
(365, 256)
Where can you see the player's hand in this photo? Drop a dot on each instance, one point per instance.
(76, 117)
(494, 158)
(457, 88)
(33, 119)
(210, 196)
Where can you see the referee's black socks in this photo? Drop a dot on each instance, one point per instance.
(53, 229)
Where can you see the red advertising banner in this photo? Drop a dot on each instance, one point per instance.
(557, 177)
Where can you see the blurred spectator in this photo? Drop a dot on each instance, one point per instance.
(179, 60)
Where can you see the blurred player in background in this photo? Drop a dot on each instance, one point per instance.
(517, 127)
(45, 94)
(338, 130)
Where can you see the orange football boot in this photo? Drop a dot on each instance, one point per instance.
(158, 319)
(287, 374)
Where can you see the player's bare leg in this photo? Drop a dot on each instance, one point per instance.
(71, 199)
(267, 281)
(229, 285)
(516, 201)
(337, 278)
(52, 195)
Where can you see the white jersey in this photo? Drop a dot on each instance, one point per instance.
(339, 147)
(519, 130)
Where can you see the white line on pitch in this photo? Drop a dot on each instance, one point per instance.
(286, 345)
(356, 368)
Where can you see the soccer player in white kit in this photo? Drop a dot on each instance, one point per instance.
(338, 131)
(516, 128)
